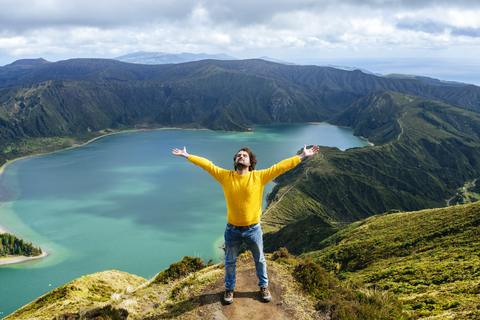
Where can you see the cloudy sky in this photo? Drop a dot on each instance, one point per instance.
(381, 35)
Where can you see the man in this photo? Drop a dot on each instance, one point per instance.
(243, 189)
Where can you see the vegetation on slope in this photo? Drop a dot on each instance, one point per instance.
(403, 265)
(73, 98)
(86, 293)
(429, 258)
(432, 150)
(426, 79)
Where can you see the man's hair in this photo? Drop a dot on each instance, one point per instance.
(252, 156)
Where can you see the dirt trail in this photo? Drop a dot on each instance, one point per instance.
(247, 302)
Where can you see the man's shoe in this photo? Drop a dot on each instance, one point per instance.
(265, 294)
(228, 296)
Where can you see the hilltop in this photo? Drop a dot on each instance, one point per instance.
(190, 290)
(143, 57)
(403, 265)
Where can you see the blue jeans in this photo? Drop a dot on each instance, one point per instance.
(233, 240)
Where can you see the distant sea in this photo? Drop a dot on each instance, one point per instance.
(124, 202)
(459, 70)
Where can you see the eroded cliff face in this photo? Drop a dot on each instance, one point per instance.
(280, 105)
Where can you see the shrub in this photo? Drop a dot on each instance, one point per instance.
(316, 281)
(283, 256)
(454, 304)
(357, 303)
(344, 301)
(180, 269)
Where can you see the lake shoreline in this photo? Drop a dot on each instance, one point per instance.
(2, 168)
(21, 259)
(3, 229)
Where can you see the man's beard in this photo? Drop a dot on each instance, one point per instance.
(241, 166)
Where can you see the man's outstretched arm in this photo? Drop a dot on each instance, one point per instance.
(218, 173)
(308, 152)
(287, 164)
(181, 153)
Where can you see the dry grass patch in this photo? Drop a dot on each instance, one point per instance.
(87, 292)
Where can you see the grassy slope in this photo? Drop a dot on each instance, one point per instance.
(428, 258)
(88, 291)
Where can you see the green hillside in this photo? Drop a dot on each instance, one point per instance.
(428, 258)
(188, 289)
(426, 79)
(426, 151)
(76, 100)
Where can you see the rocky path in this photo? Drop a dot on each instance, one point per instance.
(247, 302)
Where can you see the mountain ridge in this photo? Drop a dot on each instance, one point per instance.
(424, 150)
(142, 57)
(321, 91)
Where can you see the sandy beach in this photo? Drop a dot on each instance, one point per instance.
(13, 260)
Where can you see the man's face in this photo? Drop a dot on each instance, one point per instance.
(242, 159)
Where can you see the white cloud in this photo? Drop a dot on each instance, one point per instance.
(71, 28)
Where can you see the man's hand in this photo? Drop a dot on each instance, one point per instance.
(181, 153)
(308, 152)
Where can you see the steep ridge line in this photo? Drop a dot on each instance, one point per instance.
(306, 174)
(401, 127)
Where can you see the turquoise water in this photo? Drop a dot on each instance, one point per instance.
(124, 202)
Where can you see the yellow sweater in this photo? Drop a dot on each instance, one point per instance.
(244, 192)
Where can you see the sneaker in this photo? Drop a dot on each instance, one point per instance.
(265, 294)
(228, 296)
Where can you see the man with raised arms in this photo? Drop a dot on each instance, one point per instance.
(243, 189)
